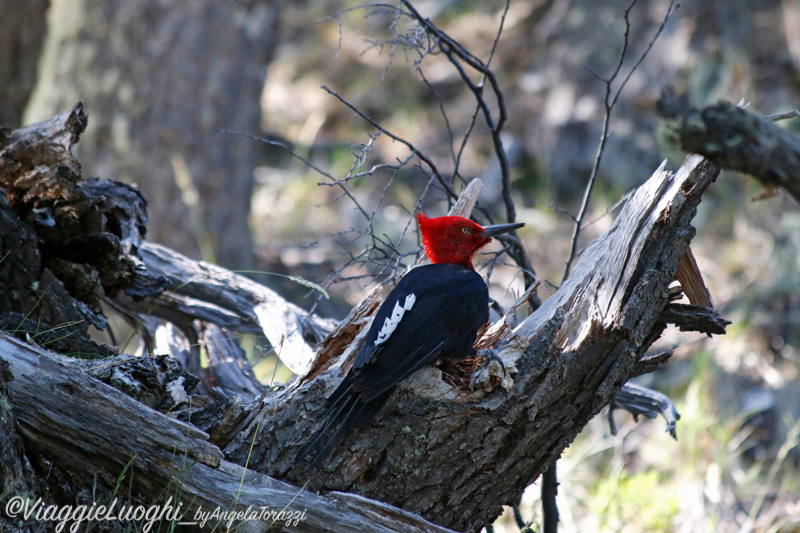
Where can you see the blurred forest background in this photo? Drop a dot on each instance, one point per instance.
(167, 86)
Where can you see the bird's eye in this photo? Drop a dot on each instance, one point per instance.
(465, 230)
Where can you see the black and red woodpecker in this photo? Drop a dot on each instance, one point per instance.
(434, 311)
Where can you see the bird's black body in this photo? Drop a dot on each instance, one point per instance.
(441, 307)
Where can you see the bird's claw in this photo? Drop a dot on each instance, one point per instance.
(490, 354)
(482, 378)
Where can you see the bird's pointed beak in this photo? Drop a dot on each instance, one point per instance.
(499, 229)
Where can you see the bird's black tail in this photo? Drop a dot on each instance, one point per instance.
(346, 410)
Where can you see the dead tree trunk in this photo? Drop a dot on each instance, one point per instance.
(456, 457)
(162, 78)
(445, 453)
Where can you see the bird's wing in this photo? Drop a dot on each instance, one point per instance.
(436, 312)
(373, 379)
(423, 355)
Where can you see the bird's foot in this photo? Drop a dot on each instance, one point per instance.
(490, 354)
(493, 367)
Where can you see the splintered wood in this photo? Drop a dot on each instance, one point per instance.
(348, 335)
(691, 280)
(597, 293)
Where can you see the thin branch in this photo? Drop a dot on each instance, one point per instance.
(457, 54)
(450, 135)
(305, 161)
(610, 102)
(422, 157)
(459, 57)
(426, 39)
(784, 116)
(549, 493)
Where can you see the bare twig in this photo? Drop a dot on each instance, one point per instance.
(550, 481)
(424, 38)
(549, 493)
(784, 116)
(610, 102)
(421, 155)
(460, 58)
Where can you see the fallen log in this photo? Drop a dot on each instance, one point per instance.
(103, 435)
(449, 454)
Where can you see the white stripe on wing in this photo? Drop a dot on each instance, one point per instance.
(390, 324)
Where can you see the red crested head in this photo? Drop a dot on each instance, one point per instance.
(455, 239)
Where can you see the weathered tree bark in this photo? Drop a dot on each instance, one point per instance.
(185, 290)
(66, 242)
(15, 470)
(161, 79)
(100, 433)
(735, 139)
(446, 453)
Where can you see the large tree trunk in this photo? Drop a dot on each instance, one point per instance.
(161, 79)
(448, 454)
(22, 33)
